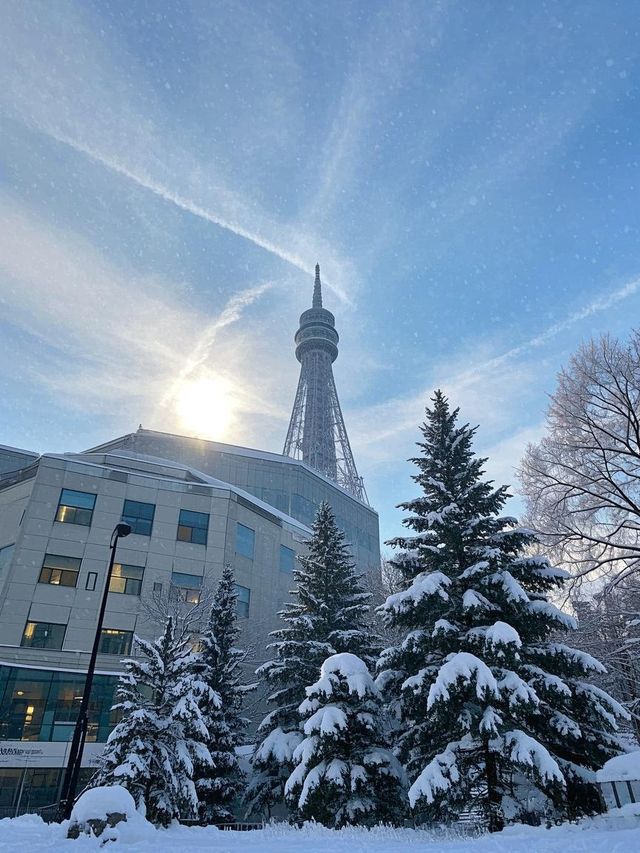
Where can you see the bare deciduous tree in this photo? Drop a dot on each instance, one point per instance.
(609, 629)
(189, 613)
(582, 481)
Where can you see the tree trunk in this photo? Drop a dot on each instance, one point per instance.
(493, 807)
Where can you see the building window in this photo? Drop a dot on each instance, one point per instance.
(43, 635)
(6, 553)
(275, 497)
(193, 526)
(186, 587)
(245, 540)
(287, 559)
(115, 642)
(157, 587)
(244, 599)
(75, 507)
(42, 705)
(302, 508)
(59, 571)
(92, 579)
(139, 516)
(126, 579)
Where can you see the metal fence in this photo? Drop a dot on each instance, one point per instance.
(47, 813)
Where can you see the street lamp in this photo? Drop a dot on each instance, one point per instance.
(80, 731)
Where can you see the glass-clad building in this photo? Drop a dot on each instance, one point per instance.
(42, 704)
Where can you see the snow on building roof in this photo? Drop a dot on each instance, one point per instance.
(10, 449)
(221, 447)
(621, 768)
(199, 477)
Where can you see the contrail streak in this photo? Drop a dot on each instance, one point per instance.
(409, 405)
(191, 207)
(597, 305)
(230, 314)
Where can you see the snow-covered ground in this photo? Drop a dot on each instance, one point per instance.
(618, 833)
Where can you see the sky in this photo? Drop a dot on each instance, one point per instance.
(466, 174)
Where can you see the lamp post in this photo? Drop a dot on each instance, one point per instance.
(80, 731)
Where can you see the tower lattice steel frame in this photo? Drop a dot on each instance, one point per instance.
(317, 433)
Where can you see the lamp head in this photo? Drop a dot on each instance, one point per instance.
(123, 529)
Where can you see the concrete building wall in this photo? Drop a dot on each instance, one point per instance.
(39, 687)
(284, 483)
(23, 598)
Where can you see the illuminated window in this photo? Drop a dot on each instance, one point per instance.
(186, 587)
(42, 705)
(126, 579)
(193, 526)
(115, 642)
(287, 559)
(75, 507)
(59, 571)
(245, 541)
(139, 516)
(244, 599)
(43, 635)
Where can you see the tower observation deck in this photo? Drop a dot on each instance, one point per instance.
(317, 434)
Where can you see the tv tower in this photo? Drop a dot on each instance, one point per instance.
(317, 433)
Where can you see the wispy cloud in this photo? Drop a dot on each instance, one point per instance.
(491, 391)
(595, 306)
(114, 341)
(65, 81)
(389, 47)
(148, 183)
(231, 313)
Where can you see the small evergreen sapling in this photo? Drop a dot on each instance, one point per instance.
(153, 750)
(219, 662)
(345, 773)
(497, 713)
(328, 616)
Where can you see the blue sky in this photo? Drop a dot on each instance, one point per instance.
(466, 173)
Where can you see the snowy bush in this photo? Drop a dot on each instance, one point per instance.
(98, 812)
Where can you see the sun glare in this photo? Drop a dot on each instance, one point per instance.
(204, 407)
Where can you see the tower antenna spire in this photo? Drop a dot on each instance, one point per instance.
(317, 289)
(317, 434)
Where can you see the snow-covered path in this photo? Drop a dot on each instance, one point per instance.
(29, 835)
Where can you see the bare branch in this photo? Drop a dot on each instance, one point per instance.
(582, 481)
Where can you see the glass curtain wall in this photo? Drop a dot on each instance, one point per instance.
(42, 705)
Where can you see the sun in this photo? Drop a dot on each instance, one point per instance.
(204, 406)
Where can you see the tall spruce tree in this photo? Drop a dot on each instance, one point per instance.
(327, 617)
(162, 736)
(345, 773)
(497, 713)
(219, 783)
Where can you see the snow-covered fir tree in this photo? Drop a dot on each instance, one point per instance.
(497, 713)
(162, 736)
(219, 783)
(345, 773)
(328, 616)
